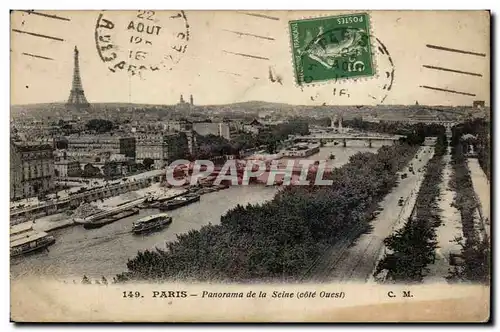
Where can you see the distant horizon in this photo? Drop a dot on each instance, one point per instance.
(243, 102)
(216, 70)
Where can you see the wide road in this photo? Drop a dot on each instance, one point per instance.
(349, 261)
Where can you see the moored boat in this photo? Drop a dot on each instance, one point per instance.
(301, 150)
(24, 239)
(108, 220)
(179, 202)
(156, 201)
(151, 223)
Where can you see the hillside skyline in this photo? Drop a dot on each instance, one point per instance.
(213, 70)
(249, 103)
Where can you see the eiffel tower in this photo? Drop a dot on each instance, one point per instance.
(77, 100)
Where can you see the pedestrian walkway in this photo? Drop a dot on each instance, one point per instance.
(450, 228)
(482, 189)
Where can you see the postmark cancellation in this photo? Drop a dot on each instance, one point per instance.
(141, 41)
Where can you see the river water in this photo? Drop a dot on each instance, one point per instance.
(105, 251)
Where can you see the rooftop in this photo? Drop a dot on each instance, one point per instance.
(29, 237)
(27, 147)
(65, 161)
(151, 217)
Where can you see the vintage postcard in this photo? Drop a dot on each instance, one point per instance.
(250, 166)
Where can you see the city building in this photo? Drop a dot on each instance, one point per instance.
(115, 168)
(234, 128)
(192, 144)
(183, 102)
(183, 105)
(16, 183)
(32, 170)
(213, 128)
(147, 127)
(65, 165)
(178, 125)
(478, 104)
(67, 168)
(337, 119)
(163, 148)
(127, 146)
(176, 146)
(254, 127)
(102, 143)
(430, 141)
(150, 146)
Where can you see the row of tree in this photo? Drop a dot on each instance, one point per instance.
(412, 247)
(281, 238)
(478, 131)
(475, 251)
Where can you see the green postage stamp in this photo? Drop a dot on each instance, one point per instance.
(331, 48)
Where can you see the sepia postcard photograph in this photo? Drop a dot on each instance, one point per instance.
(250, 166)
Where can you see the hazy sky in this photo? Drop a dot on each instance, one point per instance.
(213, 75)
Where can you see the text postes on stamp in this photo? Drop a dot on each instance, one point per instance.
(141, 41)
(328, 48)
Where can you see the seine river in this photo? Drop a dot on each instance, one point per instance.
(105, 251)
